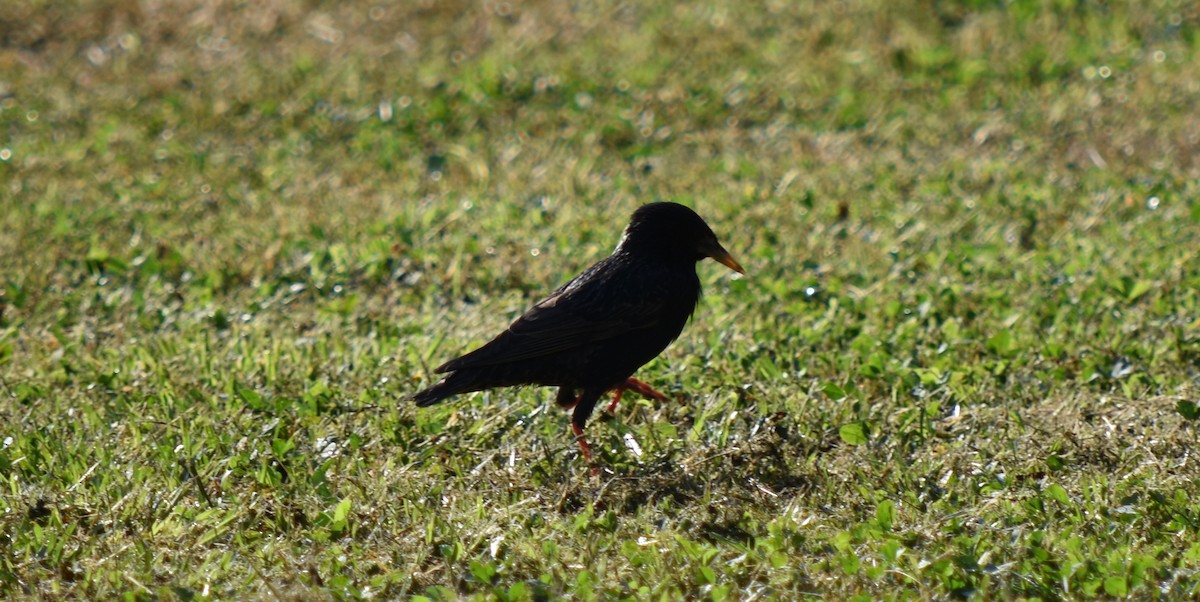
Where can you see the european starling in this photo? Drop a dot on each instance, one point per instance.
(594, 332)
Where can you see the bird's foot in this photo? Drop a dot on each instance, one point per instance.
(637, 386)
(584, 448)
(581, 439)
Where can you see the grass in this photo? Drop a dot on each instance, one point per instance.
(965, 361)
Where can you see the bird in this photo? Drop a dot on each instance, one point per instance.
(593, 333)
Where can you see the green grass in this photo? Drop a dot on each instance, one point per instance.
(234, 237)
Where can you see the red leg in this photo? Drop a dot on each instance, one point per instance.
(584, 448)
(637, 386)
(644, 389)
(617, 393)
(583, 406)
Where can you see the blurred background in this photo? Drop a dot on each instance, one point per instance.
(261, 120)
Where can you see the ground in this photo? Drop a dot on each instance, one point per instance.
(964, 361)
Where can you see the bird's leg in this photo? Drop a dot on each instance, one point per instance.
(567, 399)
(633, 384)
(644, 389)
(581, 439)
(583, 409)
(617, 393)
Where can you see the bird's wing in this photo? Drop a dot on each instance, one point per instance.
(581, 312)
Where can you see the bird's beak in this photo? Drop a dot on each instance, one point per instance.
(720, 255)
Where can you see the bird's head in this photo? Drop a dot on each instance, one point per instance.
(675, 231)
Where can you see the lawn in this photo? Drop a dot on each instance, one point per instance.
(236, 236)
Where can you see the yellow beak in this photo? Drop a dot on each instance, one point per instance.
(720, 255)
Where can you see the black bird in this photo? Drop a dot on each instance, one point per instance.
(594, 332)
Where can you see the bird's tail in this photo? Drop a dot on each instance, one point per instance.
(452, 384)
